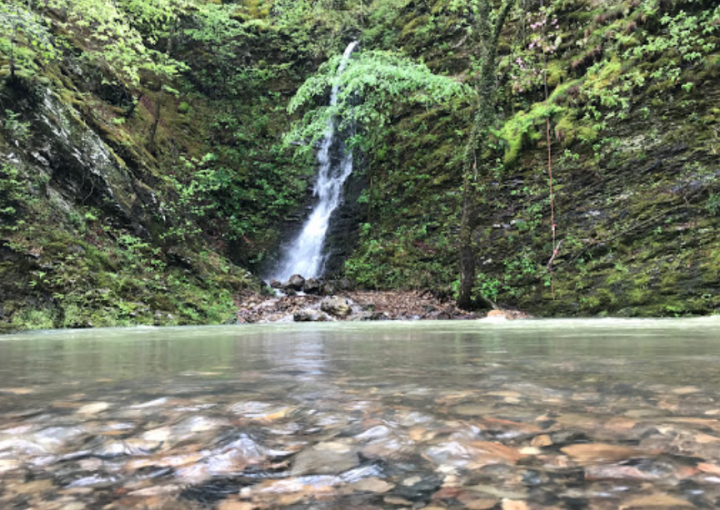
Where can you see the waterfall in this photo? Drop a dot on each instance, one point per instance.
(304, 255)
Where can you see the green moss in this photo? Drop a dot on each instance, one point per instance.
(603, 76)
(557, 72)
(524, 127)
(33, 318)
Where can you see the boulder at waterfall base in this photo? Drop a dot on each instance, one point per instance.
(337, 305)
(296, 282)
(310, 315)
(312, 286)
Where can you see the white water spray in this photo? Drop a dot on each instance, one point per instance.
(304, 255)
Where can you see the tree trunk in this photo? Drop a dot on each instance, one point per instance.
(475, 149)
(153, 129)
(467, 254)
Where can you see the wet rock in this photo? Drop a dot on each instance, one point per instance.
(275, 284)
(260, 411)
(397, 501)
(480, 504)
(623, 472)
(9, 465)
(94, 408)
(369, 316)
(541, 440)
(511, 504)
(75, 505)
(596, 453)
(419, 487)
(312, 286)
(473, 454)
(17, 391)
(497, 315)
(337, 306)
(325, 458)
(656, 501)
(391, 447)
(296, 282)
(156, 490)
(499, 492)
(327, 289)
(236, 505)
(310, 315)
(374, 485)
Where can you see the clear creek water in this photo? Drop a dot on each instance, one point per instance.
(603, 414)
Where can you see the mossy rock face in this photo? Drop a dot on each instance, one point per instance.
(184, 108)
(85, 247)
(631, 210)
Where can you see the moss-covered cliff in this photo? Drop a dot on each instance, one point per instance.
(633, 107)
(141, 189)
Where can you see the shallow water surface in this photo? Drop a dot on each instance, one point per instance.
(606, 414)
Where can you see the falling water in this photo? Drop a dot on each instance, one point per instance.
(304, 255)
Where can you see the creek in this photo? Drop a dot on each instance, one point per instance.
(536, 414)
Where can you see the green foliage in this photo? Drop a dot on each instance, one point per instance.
(524, 126)
(25, 41)
(34, 319)
(13, 195)
(371, 87)
(121, 35)
(15, 128)
(213, 38)
(713, 204)
(685, 35)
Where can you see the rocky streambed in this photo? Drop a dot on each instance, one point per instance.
(316, 300)
(286, 418)
(347, 306)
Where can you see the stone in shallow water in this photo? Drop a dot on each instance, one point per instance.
(498, 492)
(75, 505)
(419, 487)
(32, 488)
(156, 490)
(472, 454)
(511, 504)
(160, 434)
(94, 408)
(261, 411)
(596, 453)
(17, 391)
(656, 501)
(235, 505)
(481, 504)
(472, 410)
(325, 458)
(374, 485)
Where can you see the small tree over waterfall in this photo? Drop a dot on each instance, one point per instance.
(362, 91)
(373, 84)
